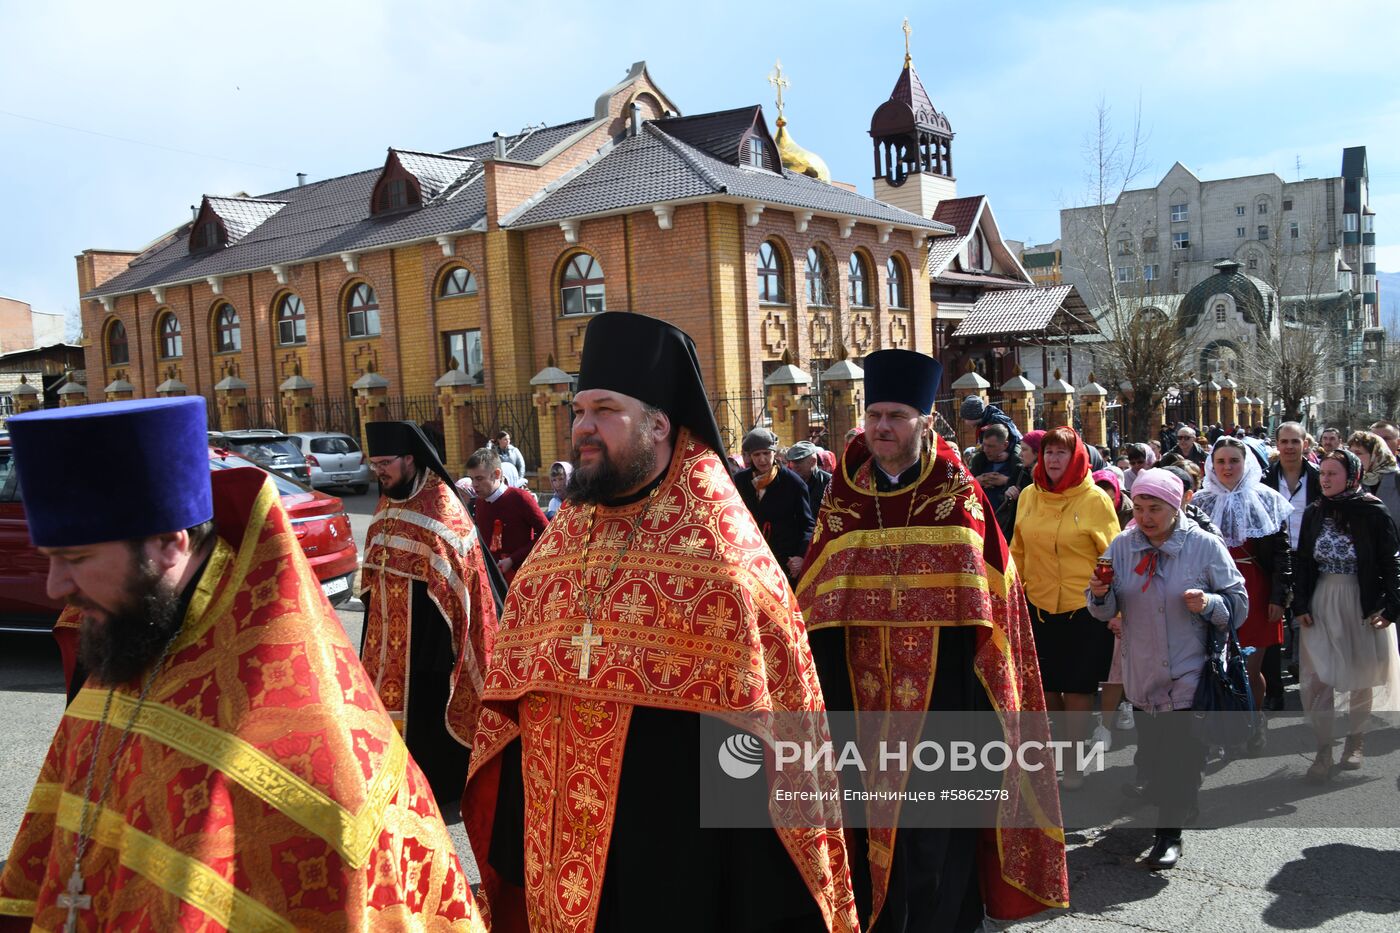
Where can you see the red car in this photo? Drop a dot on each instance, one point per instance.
(321, 525)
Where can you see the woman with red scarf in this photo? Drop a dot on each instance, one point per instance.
(1064, 523)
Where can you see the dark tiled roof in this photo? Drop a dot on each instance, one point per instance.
(655, 167)
(1253, 296)
(958, 213)
(1026, 310)
(716, 133)
(242, 215)
(327, 217)
(909, 90)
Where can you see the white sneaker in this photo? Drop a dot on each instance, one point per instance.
(1102, 735)
(1124, 720)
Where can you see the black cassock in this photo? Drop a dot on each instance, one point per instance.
(664, 872)
(933, 879)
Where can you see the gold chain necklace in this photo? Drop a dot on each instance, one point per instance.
(586, 641)
(897, 591)
(73, 898)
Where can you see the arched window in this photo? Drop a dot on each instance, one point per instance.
(117, 350)
(172, 344)
(817, 291)
(291, 321)
(860, 282)
(459, 281)
(362, 312)
(771, 283)
(1220, 312)
(228, 333)
(582, 291)
(896, 285)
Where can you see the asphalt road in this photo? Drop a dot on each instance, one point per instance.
(1259, 871)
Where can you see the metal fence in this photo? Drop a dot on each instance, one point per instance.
(516, 414)
(336, 413)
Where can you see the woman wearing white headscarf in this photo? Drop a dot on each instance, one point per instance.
(1253, 521)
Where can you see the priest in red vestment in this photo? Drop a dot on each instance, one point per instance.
(227, 765)
(650, 601)
(429, 609)
(913, 605)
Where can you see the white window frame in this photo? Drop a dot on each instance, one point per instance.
(1181, 242)
(1349, 223)
(1125, 274)
(1180, 213)
(1240, 232)
(1239, 210)
(1150, 273)
(1293, 229)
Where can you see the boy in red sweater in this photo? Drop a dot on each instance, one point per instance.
(508, 519)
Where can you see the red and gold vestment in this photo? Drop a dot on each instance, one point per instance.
(697, 617)
(939, 561)
(263, 786)
(428, 538)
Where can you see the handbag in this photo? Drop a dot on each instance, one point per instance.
(1223, 709)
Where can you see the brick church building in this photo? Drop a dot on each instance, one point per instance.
(473, 272)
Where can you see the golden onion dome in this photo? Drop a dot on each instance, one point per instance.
(798, 159)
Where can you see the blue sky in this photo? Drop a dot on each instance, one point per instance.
(240, 97)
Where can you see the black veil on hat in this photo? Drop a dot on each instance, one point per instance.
(902, 376)
(402, 438)
(651, 361)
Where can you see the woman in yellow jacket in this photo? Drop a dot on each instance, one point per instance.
(1064, 523)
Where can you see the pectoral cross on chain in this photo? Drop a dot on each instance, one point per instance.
(585, 642)
(74, 900)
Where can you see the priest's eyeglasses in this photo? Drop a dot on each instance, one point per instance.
(379, 466)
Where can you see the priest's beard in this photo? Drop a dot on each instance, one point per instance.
(403, 489)
(136, 632)
(612, 477)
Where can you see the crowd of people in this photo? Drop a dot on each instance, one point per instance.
(541, 674)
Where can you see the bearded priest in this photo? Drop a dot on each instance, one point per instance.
(430, 612)
(227, 764)
(650, 602)
(914, 608)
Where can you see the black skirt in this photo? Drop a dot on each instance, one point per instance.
(1075, 650)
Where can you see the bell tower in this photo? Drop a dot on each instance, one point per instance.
(913, 145)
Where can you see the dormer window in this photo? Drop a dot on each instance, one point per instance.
(209, 235)
(394, 194)
(753, 152)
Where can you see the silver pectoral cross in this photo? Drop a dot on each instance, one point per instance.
(74, 900)
(585, 642)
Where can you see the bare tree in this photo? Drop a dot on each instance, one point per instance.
(1144, 351)
(1299, 362)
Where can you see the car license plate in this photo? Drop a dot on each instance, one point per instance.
(342, 476)
(338, 585)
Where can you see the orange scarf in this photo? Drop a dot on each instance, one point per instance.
(760, 482)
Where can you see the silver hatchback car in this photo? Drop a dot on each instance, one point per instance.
(335, 460)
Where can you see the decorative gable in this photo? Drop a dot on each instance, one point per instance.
(224, 221)
(411, 179)
(738, 137)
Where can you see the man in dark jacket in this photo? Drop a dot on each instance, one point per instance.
(979, 414)
(802, 460)
(998, 473)
(1298, 481)
(777, 497)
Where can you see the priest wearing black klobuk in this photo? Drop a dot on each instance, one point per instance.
(913, 607)
(650, 602)
(430, 610)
